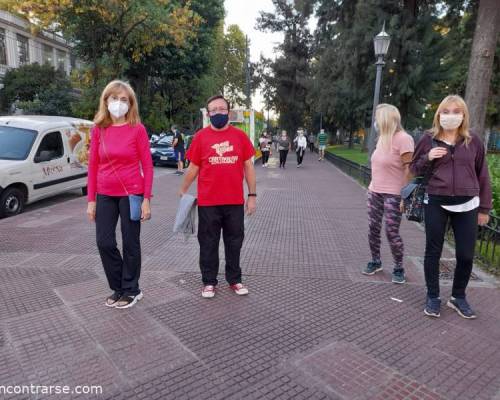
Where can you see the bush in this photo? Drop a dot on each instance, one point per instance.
(494, 165)
(38, 89)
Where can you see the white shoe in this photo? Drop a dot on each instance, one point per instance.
(129, 301)
(208, 291)
(239, 289)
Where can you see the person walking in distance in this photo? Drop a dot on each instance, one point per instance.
(284, 147)
(265, 148)
(458, 192)
(322, 141)
(221, 156)
(120, 171)
(301, 146)
(311, 139)
(390, 162)
(178, 145)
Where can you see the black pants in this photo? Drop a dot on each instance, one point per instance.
(122, 272)
(213, 219)
(283, 155)
(311, 147)
(464, 225)
(265, 157)
(300, 154)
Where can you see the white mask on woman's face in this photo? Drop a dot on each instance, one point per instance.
(451, 121)
(117, 108)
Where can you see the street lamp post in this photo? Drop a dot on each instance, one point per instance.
(381, 44)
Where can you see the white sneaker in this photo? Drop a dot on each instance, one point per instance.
(128, 301)
(208, 291)
(239, 289)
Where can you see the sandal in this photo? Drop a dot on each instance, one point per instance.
(113, 299)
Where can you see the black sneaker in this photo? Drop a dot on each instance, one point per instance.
(129, 301)
(433, 307)
(111, 300)
(398, 276)
(461, 307)
(372, 267)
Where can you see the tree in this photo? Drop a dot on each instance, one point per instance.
(291, 67)
(481, 62)
(40, 89)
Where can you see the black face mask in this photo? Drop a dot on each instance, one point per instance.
(219, 120)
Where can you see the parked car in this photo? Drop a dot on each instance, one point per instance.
(162, 152)
(41, 156)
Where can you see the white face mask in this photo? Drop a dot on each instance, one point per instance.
(117, 108)
(450, 121)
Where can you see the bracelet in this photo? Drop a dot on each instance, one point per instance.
(252, 194)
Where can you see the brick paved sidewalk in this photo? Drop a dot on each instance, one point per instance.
(313, 327)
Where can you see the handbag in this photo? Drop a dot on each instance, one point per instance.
(413, 195)
(135, 200)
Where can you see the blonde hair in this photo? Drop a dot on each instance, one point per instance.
(388, 122)
(103, 118)
(463, 129)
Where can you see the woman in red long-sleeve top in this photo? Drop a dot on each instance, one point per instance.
(458, 190)
(120, 165)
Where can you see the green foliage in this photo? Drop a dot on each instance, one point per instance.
(494, 167)
(156, 119)
(39, 89)
(290, 72)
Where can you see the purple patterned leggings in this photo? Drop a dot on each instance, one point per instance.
(380, 204)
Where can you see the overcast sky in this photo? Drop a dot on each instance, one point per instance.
(244, 13)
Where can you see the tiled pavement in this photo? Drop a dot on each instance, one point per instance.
(313, 327)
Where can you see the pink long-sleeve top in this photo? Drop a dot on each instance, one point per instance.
(124, 165)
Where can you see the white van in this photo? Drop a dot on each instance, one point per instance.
(41, 156)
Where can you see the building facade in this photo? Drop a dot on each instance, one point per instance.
(18, 46)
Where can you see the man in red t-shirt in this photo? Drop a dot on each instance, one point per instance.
(221, 156)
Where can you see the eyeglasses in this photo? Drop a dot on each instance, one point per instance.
(219, 110)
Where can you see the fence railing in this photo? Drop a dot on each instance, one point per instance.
(488, 242)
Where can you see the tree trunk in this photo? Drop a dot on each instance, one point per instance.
(481, 63)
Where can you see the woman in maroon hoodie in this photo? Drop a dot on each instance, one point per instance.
(458, 190)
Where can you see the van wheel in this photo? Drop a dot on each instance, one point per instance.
(84, 191)
(11, 202)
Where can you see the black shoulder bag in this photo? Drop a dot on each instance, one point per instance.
(413, 194)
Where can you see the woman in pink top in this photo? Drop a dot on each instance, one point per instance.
(390, 171)
(120, 165)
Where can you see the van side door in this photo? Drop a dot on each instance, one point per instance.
(51, 165)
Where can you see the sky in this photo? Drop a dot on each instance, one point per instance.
(244, 13)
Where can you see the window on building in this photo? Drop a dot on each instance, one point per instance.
(61, 60)
(47, 55)
(23, 49)
(3, 48)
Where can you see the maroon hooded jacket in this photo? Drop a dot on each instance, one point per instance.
(461, 172)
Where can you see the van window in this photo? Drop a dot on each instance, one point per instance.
(15, 143)
(51, 147)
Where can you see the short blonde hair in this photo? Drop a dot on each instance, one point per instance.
(103, 118)
(388, 121)
(463, 129)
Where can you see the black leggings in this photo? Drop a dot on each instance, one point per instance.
(283, 155)
(464, 225)
(300, 154)
(265, 157)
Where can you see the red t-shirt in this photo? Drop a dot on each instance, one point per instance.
(221, 156)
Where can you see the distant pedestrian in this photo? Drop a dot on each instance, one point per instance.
(390, 172)
(265, 148)
(301, 146)
(179, 149)
(310, 140)
(120, 177)
(220, 157)
(322, 141)
(459, 192)
(284, 147)
(276, 138)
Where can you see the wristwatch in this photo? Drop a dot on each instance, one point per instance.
(252, 194)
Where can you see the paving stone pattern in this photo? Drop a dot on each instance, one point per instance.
(312, 327)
